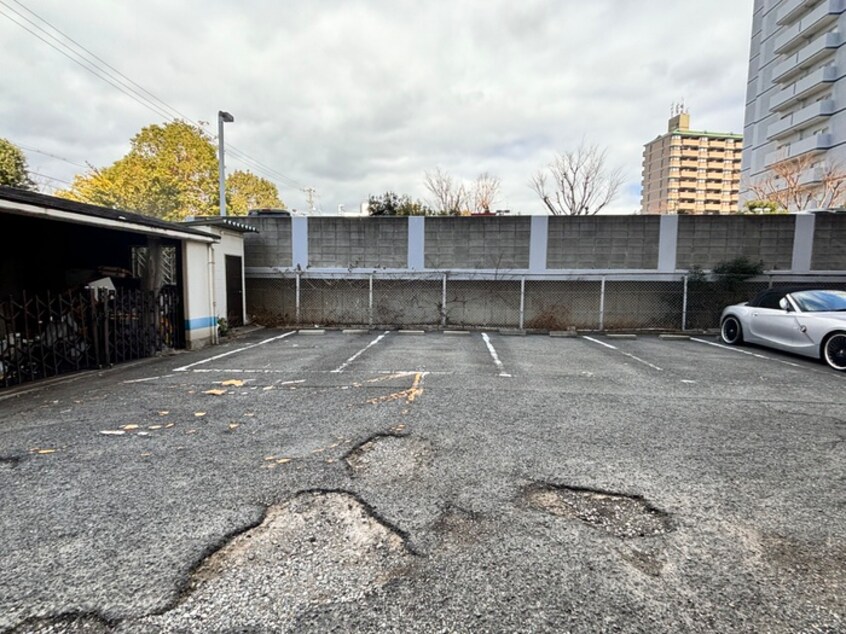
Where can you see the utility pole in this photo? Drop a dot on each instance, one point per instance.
(310, 192)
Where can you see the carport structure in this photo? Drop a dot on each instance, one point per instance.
(83, 286)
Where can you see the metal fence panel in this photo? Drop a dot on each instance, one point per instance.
(334, 302)
(562, 304)
(482, 303)
(682, 301)
(643, 305)
(407, 302)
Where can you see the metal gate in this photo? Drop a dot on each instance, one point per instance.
(47, 334)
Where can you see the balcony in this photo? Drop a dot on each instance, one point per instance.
(815, 82)
(811, 144)
(805, 58)
(792, 10)
(819, 18)
(805, 117)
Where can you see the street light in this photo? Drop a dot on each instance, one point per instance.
(222, 117)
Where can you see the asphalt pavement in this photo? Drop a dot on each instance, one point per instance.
(387, 482)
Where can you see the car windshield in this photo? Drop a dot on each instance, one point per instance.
(820, 301)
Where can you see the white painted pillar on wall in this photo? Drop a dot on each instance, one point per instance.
(538, 241)
(803, 243)
(416, 243)
(299, 242)
(668, 240)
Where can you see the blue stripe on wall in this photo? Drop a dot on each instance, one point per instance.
(200, 322)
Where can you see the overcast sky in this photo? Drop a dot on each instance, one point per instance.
(358, 97)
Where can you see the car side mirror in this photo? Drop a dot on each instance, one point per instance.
(784, 304)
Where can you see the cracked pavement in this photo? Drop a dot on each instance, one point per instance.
(428, 483)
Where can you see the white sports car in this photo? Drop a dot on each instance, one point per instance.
(811, 323)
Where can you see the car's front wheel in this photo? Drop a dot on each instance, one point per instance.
(834, 351)
(731, 331)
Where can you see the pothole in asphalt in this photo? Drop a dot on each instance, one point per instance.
(389, 455)
(320, 547)
(624, 516)
(10, 462)
(458, 525)
(64, 623)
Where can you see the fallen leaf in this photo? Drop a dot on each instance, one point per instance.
(164, 412)
(199, 414)
(169, 425)
(130, 427)
(45, 451)
(113, 432)
(156, 426)
(145, 454)
(249, 414)
(215, 392)
(191, 431)
(270, 457)
(269, 387)
(233, 425)
(283, 460)
(233, 382)
(143, 433)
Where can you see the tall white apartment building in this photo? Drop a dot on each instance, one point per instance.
(796, 95)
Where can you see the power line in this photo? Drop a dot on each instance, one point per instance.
(126, 85)
(59, 158)
(84, 63)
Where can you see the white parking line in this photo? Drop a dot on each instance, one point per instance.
(495, 356)
(624, 353)
(149, 378)
(746, 352)
(226, 354)
(341, 367)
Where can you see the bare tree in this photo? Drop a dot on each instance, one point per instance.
(450, 196)
(485, 192)
(578, 183)
(801, 183)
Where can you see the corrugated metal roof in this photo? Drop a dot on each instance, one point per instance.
(221, 221)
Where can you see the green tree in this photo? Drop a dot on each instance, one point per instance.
(13, 169)
(762, 207)
(245, 191)
(392, 204)
(170, 172)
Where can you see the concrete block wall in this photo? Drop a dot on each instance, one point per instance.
(540, 245)
(829, 250)
(708, 240)
(477, 243)
(271, 246)
(603, 242)
(358, 242)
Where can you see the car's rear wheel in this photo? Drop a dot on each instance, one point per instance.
(834, 351)
(731, 331)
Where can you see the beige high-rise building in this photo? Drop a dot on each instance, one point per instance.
(691, 172)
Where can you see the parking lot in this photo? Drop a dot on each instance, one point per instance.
(389, 481)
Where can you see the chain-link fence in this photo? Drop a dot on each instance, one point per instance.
(544, 303)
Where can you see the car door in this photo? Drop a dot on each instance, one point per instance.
(774, 326)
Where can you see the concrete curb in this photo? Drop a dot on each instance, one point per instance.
(512, 332)
(621, 336)
(411, 332)
(675, 337)
(355, 331)
(563, 333)
(316, 331)
(456, 332)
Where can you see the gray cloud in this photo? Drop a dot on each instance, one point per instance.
(357, 97)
